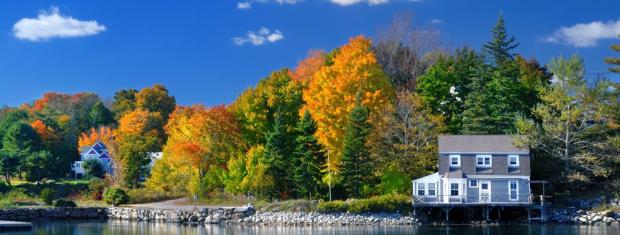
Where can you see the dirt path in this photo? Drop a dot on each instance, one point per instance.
(174, 204)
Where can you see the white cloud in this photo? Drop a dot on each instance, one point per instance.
(585, 34)
(244, 5)
(51, 24)
(351, 2)
(435, 21)
(264, 35)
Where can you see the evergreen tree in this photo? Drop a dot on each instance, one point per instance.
(310, 158)
(614, 61)
(22, 138)
(9, 165)
(279, 157)
(100, 115)
(500, 46)
(356, 168)
(38, 166)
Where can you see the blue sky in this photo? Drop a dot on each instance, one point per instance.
(201, 50)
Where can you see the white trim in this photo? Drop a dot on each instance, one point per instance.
(517, 189)
(475, 180)
(498, 177)
(484, 157)
(458, 157)
(516, 157)
(492, 153)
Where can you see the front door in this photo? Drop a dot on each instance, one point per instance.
(485, 191)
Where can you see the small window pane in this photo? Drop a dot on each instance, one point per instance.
(454, 189)
(431, 189)
(473, 183)
(484, 186)
(421, 189)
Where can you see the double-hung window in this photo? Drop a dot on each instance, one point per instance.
(431, 189)
(513, 190)
(513, 160)
(455, 160)
(420, 189)
(473, 183)
(484, 160)
(454, 189)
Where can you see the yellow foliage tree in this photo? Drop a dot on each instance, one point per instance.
(332, 93)
(103, 134)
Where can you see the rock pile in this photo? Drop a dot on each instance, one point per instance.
(584, 217)
(332, 219)
(205, 215)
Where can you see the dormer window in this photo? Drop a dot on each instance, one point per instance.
(455, 160)
(484, 161)
(513, 160)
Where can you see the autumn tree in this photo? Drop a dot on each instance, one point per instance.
(87, 139)
(570, 126)
(124, 101)
(203, 138)
(139, 132)
(306, 68)
(156, 99)
(257, 180)
(408, 145)
(331, 95)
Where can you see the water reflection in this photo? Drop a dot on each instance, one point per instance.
(127, 227)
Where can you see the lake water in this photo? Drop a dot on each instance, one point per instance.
(126, 227)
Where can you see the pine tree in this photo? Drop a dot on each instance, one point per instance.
(500, 46)
(310, 158)
(356, 166)
(614, 61)
(279, 155)
(100, 115)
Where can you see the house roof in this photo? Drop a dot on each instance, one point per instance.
(455, 174)
(479, 144)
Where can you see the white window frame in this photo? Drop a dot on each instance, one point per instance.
(516, 190)
(421, 187)
(457, 189)
(458, 157)
(429, 188)
(474, 186)
(515, 157)
(484, 158)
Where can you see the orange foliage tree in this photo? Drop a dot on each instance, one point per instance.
(331, 95)
(305, 70)
(103, 134)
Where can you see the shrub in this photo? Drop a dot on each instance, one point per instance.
(93, 168)
(4, 187)
(96, 187)
(48, 195)
(386, 203)
(115, 196)
(64, 203)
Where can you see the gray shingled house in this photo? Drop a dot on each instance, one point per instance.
(477, 169)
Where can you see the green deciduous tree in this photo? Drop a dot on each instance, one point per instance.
(100, 115)
(9, 164)
(356, 169)
(156, 99)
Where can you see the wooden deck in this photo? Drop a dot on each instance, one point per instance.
(6, 225)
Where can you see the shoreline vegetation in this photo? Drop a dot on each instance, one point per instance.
(355, 124)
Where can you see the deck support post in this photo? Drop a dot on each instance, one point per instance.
(447, 209)
(529, 214)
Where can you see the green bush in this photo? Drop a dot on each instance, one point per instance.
(64, 203)
(145, 195)
(115, 196)
(96, 187)
(93, 168)
(4, 187)
(48, 195)
(386, 203)
(332, 207)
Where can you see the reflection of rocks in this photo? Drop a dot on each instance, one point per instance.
(27, 214)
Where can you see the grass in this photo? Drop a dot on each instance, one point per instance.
(392, 203)
(144, 195)
(289, 205)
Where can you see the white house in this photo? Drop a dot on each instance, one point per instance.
(100, 152)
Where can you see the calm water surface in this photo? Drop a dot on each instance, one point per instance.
(125, 227)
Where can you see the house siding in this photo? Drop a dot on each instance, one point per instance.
(499, 191)
(499, 165)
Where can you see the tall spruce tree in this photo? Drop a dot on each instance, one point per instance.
(279, 149)
(310, 159)
(614, 61)
(100, 115)
(500, 46)
(356, 168)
